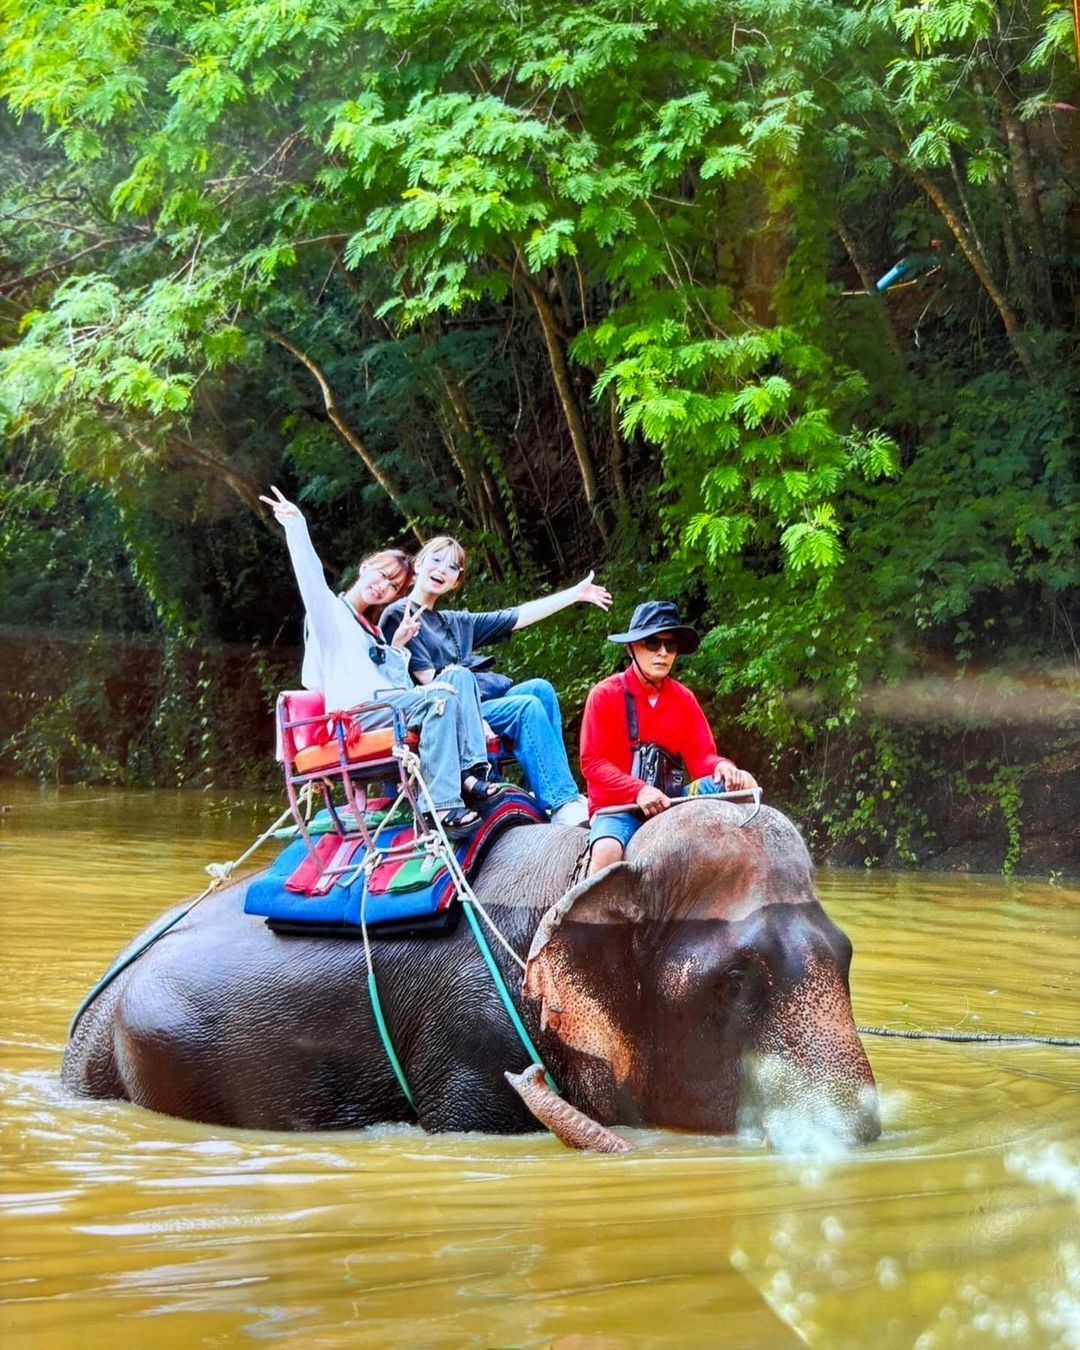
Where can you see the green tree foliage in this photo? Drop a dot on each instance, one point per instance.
(581, 282)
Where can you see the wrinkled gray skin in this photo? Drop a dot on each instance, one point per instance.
(697, 985)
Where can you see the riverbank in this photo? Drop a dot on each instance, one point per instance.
(977, 775)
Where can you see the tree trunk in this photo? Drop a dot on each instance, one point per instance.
(1027, 195)
(976, 260)
(870, 286)
(618, 452)
(213, 467)
(469, 483)
(963, 199)
(351, 439)
(201, 463)
(500, 518)
(1017, 270)
(564, 388)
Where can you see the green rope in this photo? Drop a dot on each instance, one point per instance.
(373, 993)
(121, 964)
(220, 872)
(504, 993)
(384, 1032)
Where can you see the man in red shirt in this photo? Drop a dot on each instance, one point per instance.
(666, 714)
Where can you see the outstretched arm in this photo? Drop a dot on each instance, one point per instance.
(319, 600)
(584, 593)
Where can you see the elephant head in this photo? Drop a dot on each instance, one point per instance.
(700, 985)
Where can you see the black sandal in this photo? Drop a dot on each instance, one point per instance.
(483, 789)
(456, 823)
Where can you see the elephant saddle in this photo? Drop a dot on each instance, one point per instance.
(407, 890)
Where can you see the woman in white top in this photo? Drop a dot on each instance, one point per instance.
(347, 660)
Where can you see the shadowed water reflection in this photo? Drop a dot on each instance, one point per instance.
(959, 1227)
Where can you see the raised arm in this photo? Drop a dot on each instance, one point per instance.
(584, 593)
(319, 600)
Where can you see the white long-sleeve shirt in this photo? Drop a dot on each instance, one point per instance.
(339, 652)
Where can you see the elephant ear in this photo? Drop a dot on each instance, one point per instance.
(585, 981)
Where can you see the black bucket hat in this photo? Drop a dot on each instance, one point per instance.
(659, 616)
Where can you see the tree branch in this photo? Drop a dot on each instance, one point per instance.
(549, 325)
(351, 439)
(870, 286)
(17, 282)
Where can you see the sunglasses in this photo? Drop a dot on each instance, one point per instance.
(656, 644)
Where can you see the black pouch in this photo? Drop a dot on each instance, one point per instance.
(653, 765)
(490, 683)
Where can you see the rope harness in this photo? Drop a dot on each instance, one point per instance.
(437, 843)
(219, 874)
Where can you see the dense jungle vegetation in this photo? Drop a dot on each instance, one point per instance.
(590, 285)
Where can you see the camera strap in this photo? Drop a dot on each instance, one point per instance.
(631, 715)
(651, 762)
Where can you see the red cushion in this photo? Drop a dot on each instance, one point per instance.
(294, 705)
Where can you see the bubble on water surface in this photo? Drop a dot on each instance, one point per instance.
(832, 1229)
(1047, 1166)
(889, 1274)
(215, 1147)
(1059, 1310)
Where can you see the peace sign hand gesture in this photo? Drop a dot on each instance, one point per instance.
(407, 629)
(282, 508)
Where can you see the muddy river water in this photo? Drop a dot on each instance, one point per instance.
(961, 1226)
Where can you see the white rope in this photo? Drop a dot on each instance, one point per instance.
(468, 896)
(444, 849)
(223, 871)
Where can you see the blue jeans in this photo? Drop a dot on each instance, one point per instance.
(623, 825)
(530, 718)
(447, 715)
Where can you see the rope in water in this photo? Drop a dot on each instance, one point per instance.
(990, 1037)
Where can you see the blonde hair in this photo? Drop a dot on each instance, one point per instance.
(443, 543)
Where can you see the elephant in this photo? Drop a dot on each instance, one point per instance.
(696, 985)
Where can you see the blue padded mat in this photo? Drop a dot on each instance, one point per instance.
(339, 909)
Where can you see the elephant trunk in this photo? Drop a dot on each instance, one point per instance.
(800, 1108)
(569, 1125)
(809, 1085)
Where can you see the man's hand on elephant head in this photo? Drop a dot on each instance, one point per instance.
(652, 801)
(734, 779)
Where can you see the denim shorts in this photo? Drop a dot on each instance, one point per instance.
(621, 826)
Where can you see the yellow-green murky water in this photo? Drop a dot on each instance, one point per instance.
(121, 1228)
